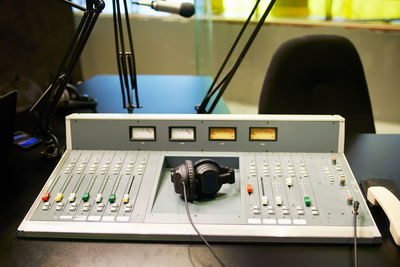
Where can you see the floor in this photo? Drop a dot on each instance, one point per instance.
(382, 127)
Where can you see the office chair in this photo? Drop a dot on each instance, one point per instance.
(318, 74)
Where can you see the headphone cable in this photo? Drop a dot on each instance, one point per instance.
(194, 227)
(355, 213)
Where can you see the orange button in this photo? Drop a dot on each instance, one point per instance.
(249, 188)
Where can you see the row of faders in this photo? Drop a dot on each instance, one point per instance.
(291, 188)
(94, 186)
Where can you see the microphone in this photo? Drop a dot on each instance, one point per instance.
(184, 9)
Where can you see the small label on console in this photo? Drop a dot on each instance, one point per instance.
(254, 221)
(285, 221)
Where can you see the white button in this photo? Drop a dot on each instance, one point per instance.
(315, 212)
(256, 211)
(72, 208)
(72, 197)
(264, 200)
(86, 208)
(114, 209)
(271, 211)
(98, 198)
(279, 201)
(128, 210)
(45, 207)
(99, 208)
(74, 204)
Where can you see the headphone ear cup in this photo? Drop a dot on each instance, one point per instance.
(191, 180)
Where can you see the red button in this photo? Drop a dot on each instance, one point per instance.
(46, 196)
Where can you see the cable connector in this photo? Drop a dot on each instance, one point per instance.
(356, 206)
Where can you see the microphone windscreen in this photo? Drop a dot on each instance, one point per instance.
(186, 10)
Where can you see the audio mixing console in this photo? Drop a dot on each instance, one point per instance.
(292, 180)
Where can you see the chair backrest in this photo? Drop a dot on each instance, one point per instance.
(318, 74)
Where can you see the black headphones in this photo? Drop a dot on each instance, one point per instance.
(202, 179)
(73, 100)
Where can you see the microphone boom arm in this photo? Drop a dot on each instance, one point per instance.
(229, 75)
(44, 108)
(125, 60)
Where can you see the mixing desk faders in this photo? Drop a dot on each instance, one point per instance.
(292, 180)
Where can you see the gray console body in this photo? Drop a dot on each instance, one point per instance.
(302, 185)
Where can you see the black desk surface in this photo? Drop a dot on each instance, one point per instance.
(157, 93)
(369, 156)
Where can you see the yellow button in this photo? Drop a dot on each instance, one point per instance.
(59, 197)
(126, 198)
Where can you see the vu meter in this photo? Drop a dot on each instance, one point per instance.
(143, 133)
(222, 133)
(182, 134)
(262, 134)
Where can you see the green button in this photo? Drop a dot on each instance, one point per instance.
(307, 200)
(112, 198)
(85, 196)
